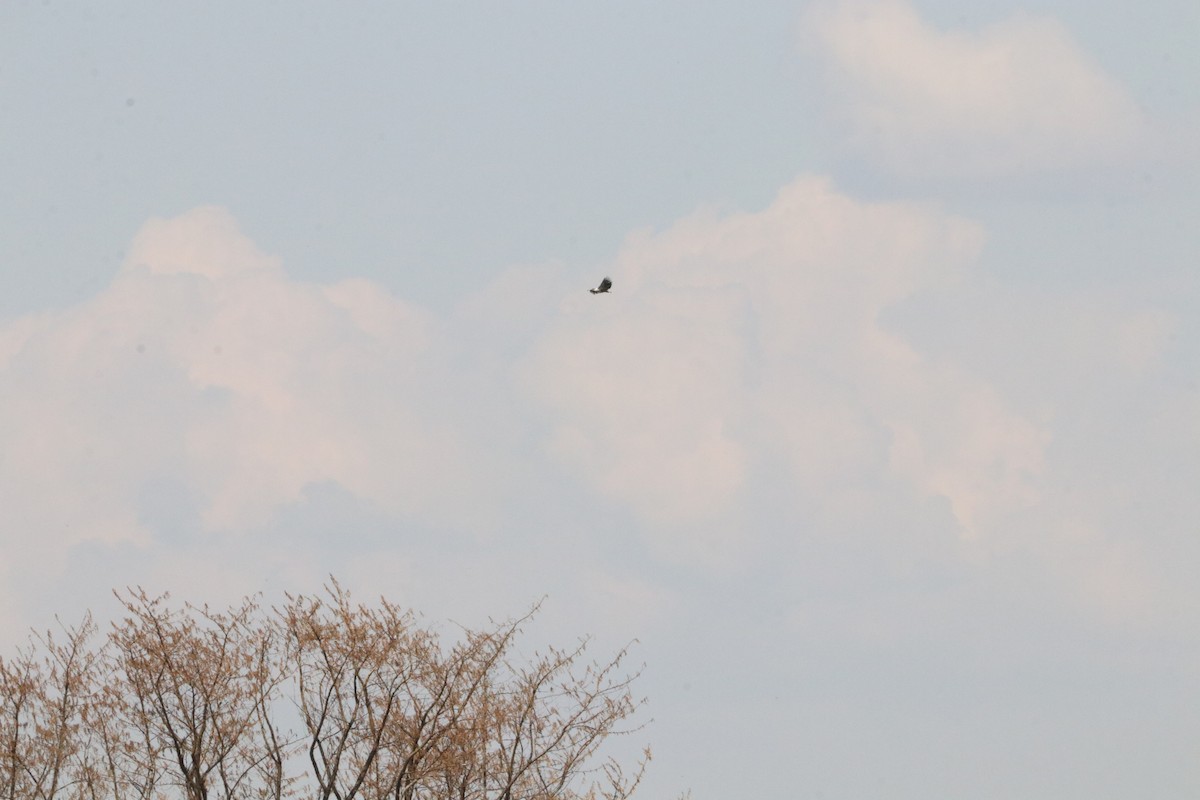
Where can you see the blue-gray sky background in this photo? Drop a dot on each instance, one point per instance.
(885, 445)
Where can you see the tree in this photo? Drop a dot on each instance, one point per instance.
(195, 688)
(46, 701)
(321, 698)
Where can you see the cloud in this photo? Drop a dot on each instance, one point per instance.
(827, 367)
(1102, 373)
(821, 367)
(1016, 97)
(204, 367)
(732, 341)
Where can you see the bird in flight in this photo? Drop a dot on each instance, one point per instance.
(603, 288)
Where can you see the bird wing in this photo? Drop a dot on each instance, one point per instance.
(605, 285)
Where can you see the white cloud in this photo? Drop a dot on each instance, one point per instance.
(651, 398)
(1015, 97)
(205, 364)
(1108, 374)
(736, 351)
(730, 339)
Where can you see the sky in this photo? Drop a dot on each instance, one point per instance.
(884, 446)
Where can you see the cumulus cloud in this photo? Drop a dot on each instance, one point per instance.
(1016, 97)
(852, 356)
(204, 367)
(752, 376)
(730, 340)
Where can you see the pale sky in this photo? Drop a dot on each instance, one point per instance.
(885, 445)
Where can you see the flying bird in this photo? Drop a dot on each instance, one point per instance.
(604, 286)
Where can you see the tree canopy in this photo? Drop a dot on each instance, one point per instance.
(321, 697)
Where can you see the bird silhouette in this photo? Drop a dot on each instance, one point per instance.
(603, 288)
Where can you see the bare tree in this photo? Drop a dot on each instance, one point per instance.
(196, 688)
(553, 719)
(354, 667)
(46, 697)
(194, 703)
